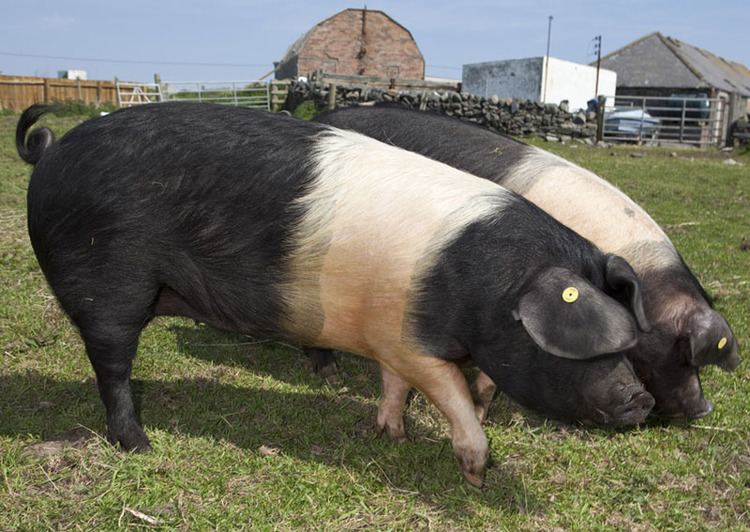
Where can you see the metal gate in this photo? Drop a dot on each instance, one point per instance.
(255, 94)
(689, 120)
(130, 94)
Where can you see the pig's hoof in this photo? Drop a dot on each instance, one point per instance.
(476, 480)
(328, 372)
(321, 362)
(473, 461)
(333, 380)
(132, 439)
(394, 430)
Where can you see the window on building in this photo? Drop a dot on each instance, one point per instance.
(330, 65)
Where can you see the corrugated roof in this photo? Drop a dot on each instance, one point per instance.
(714, 70)
(650, 62)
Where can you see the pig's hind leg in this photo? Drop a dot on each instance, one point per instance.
(110, 321)
(112, 360)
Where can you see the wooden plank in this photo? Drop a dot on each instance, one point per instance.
(19, 92)
(20, 82)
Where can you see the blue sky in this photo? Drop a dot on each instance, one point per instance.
(257, 32)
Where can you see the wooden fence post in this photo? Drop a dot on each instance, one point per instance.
(602, 101)
(157, 82)
(46, 94)
(728, 119)
(331, 96)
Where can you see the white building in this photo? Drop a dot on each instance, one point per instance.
(72, 74)
(535, 79)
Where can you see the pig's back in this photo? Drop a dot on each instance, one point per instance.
(249, 221)
(191, 197)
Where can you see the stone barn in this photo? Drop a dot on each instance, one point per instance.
(354, 42)
(655, 65)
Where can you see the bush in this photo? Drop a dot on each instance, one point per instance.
(307, 110)
(82, 109)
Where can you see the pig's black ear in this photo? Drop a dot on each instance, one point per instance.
(627, 288)
(712, 341)
(567, 316)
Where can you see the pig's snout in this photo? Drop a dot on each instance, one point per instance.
(701, 409)
(708, 407)
(635, 408)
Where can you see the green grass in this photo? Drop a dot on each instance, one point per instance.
(210, 400)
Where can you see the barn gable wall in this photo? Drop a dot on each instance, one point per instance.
(335, 45)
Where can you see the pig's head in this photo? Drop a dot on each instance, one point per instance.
(603, 390)
(687, 334)
(570, 363)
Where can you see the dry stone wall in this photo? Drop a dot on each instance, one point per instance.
(513, 117)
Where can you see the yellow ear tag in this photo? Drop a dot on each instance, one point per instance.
(722, 342)
(570, 294)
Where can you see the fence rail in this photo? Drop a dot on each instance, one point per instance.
(19, 92)
(130, 94)
(688, 120)
(269, 95)
(252, 93)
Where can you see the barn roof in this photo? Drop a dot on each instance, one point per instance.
(299, 44)
(658, 61)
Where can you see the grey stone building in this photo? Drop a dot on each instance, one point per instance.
(655, 65)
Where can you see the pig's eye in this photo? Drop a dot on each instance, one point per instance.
(570, 294)
(722, 343)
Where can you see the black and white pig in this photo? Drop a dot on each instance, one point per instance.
(687, 333)
(273, 227)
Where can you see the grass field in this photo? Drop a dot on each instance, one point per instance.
(244, 437)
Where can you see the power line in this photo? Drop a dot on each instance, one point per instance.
(133, 61)
(157, 62)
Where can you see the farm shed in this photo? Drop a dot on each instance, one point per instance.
(538, 80)
(655, 65)
(354, 42)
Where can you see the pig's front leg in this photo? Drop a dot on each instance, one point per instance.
(445, 386)
(322, 361)
(392, 403)
(482, 392)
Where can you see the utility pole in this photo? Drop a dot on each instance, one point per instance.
(546, 60)
(598, 45)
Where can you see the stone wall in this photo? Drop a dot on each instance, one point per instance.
(512, 117)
